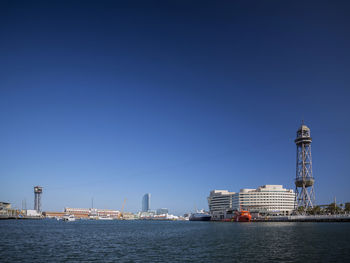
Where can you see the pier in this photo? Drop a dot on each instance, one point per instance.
(306, 218)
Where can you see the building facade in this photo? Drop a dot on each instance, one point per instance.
(267, 200)
(146, 202)
(219, 202)
(91, 212)
(4, 209)
(162, 211)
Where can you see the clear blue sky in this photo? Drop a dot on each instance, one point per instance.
(113, 100)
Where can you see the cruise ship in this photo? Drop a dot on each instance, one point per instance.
(200, 216)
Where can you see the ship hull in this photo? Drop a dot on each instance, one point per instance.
(200, 218)
(243, 219)
(243, 216)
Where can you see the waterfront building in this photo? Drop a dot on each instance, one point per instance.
(4, 209)
(219, 202)
(129, 216)
(53, 214)
(91, 212)
(162, 211)
(147, 215)
(267, 200)
(4, 206)
(146, 202)
(32, 213)
(78, 212)
(108, 213)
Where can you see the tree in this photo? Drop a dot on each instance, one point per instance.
(333, 208)
(316, 210)
(301, 210)
(347, 207)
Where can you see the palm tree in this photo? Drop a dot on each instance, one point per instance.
(333, 208)
(301, 210)
(347, 207)
(316, 210)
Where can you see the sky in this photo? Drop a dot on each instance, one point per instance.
(109, 100)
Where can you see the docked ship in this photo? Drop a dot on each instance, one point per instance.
(105, 218)
(242, 216)
(68, 218)
(237, 216)
(200, 216)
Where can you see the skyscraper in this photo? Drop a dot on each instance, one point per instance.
(145, 202)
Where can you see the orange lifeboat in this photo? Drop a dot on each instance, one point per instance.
(242, 216)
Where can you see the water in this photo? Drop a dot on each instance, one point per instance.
(164, 241)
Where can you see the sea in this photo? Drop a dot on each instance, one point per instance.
(49, 240)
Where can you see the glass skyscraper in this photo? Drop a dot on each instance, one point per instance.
(145, 202)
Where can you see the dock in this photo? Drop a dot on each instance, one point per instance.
(305, 218)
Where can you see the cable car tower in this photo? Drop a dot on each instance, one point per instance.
(38, 190)
(304, 181)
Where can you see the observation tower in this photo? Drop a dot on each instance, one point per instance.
(38, 190)
(304, 181)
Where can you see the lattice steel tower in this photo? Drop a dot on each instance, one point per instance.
(304, 181)
(38, 190)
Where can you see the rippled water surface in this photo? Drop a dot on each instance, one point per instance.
(165, 241)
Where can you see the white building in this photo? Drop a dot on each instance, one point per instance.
(92, 212)
(219, 201)
(33, 213)
(265, 200)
